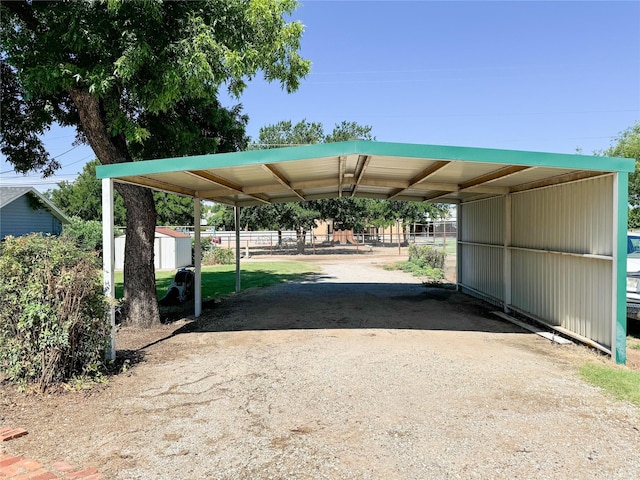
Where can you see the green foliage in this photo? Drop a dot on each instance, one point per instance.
(53, 323)
(285, 133)
(139, 59)
(82, 198)
(634, 218)
(173, 209)
(435, 274)
(623, 384)
(219, 256)
(424, 261)
(424, 255)
(85, 233)
(627, 144)
(219, 216)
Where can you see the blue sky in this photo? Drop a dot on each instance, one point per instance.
(543, 76)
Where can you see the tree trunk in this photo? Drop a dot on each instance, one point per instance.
(300, 234)
(141, 305)
(141, 302)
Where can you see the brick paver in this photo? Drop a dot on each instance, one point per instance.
(9, 433)
(18, 467)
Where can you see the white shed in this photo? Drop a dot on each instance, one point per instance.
(171, 250)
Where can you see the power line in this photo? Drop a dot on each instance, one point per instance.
(54, 158)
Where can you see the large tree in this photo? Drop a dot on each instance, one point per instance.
(115, 69)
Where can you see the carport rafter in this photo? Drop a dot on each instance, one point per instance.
(361, 168)
(159, 186)
(280, 177)
(560, 179)
(217, 180)
(492, 176)
(423, 175)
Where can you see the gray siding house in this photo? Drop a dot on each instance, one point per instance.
(24, 210)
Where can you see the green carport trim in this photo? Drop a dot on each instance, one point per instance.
(365, 147)
(621, 267)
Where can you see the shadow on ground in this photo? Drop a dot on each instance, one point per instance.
(319, 304)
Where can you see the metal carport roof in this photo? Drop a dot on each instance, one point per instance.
(359, 168)
(399, 171)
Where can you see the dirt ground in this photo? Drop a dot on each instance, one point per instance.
(356, 373)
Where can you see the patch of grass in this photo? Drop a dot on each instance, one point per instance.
(633, 343)
(435, 274)
(220, 280)
(622, 384)
(392, 266)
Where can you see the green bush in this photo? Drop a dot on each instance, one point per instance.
(86, 233)
(53, 323)
(425, 256)
(218, 256)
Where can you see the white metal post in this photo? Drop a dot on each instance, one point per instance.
(458, 246)
(108, 260)
(507, 253)
(236, 211)
(197, 261)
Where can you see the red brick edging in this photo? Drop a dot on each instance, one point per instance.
(14, 467)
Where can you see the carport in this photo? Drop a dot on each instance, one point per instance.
(540, 234)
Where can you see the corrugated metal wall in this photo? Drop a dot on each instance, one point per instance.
(568, 288)
(561, 254)
(481, 242)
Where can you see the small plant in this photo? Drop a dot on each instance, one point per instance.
(424, 261)
(53, 324)
(218, 256)
(426, 256)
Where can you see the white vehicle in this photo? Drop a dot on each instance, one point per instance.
(633, 275)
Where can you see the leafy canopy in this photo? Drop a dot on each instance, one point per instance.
(139, 58)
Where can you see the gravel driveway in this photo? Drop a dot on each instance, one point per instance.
(360, 373)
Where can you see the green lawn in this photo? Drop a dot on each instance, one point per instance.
(621, 383)
(220, 280)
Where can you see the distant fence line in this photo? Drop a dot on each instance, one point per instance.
(270, 238)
